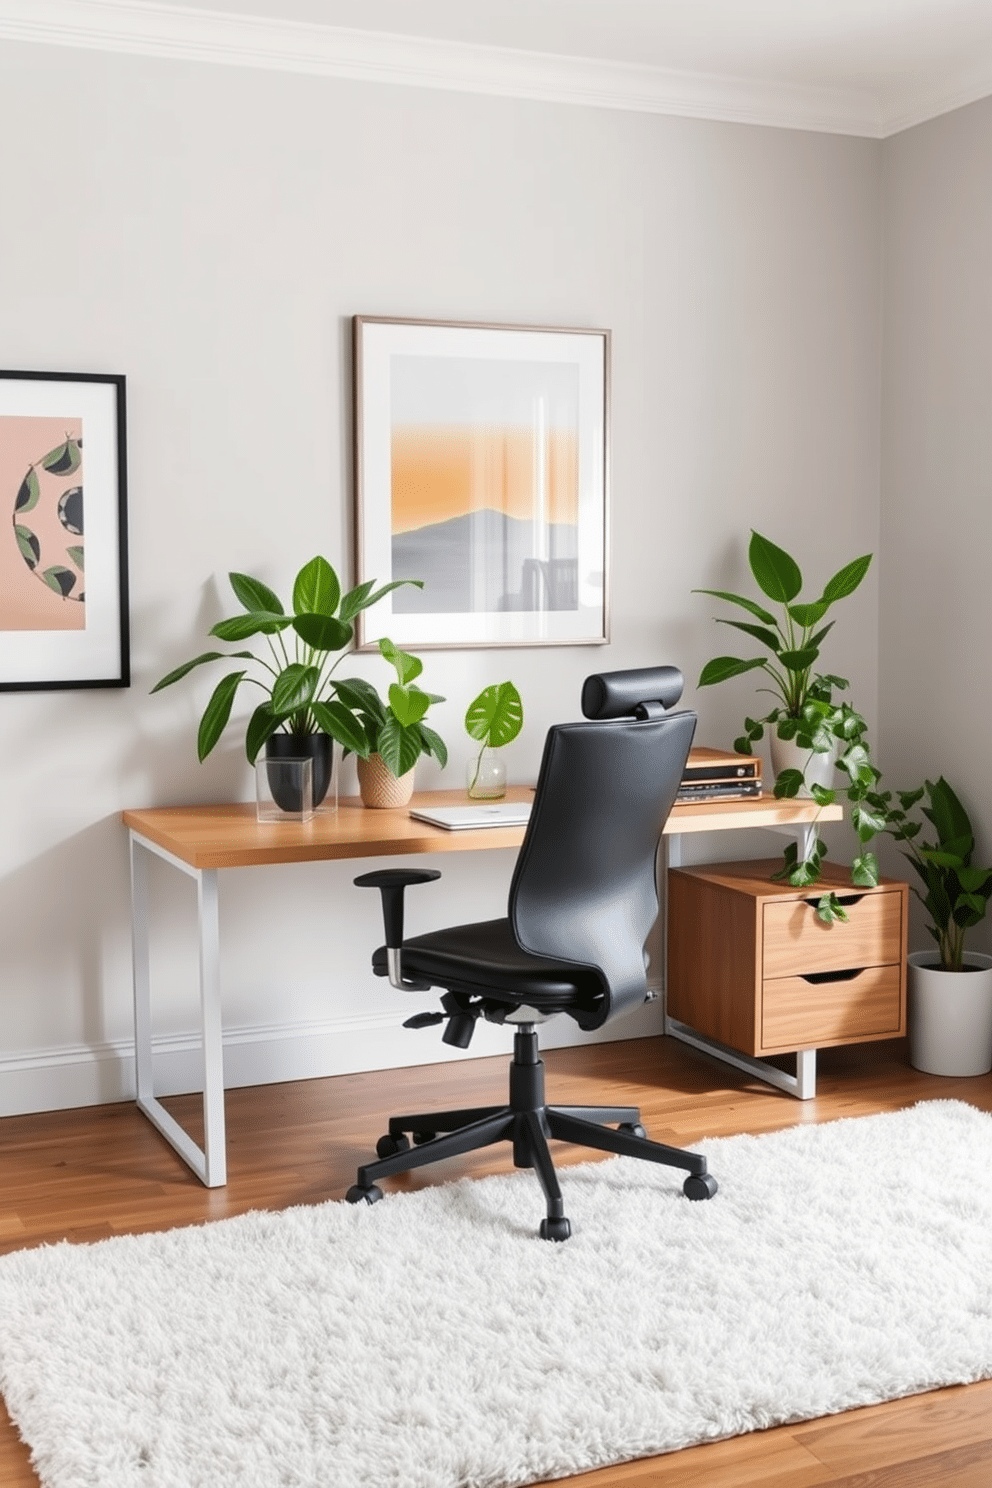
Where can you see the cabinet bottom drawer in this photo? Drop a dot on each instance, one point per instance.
(800, 1014)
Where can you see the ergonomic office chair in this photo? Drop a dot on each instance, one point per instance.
(582, 900)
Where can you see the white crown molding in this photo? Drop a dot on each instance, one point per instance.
(161, 30)
(914, 107)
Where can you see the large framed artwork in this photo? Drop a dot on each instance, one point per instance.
(63, 556)
(482, 469)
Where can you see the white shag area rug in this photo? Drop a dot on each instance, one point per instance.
(433, 1341)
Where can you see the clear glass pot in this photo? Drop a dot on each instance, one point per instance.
(485, 776)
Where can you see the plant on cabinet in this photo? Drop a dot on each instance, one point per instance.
(811, 732)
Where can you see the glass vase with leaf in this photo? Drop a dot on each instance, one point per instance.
(494, 718)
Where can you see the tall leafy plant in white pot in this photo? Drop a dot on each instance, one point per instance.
(950, 988)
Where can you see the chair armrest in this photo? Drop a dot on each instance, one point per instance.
(391, 882)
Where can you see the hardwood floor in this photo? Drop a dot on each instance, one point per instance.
(84, 1175)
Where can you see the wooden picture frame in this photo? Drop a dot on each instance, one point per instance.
(482, 468)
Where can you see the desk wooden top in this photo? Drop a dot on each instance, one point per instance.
(231, 837)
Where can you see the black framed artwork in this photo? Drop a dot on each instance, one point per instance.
(63, 559)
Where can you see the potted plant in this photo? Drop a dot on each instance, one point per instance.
(302, 712)
(495, 718)
(811, 733)
(950, 989)
(393, 732)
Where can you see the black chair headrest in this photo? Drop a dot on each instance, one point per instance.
(625, 694)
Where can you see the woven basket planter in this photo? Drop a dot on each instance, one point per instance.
(379, 786)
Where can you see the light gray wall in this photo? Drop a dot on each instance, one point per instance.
(209, 232)
(936, 713)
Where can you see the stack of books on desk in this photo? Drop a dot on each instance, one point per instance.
(719, 775)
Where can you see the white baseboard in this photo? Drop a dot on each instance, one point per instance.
(68, 1077)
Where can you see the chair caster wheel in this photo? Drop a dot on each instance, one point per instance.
(635, 1129)
(699, 1187)
(356, 1193)
(388, 1146)
(419, 1138)
(555, 1229)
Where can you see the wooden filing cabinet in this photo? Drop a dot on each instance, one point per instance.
(750, 965)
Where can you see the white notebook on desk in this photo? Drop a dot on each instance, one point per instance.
(477, 814)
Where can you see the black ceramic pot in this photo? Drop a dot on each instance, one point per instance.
(316, 747)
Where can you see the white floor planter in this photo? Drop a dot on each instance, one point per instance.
(950, 1015)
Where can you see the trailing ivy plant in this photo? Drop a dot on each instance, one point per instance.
(300, 651)
(841, 723)
(805, 710)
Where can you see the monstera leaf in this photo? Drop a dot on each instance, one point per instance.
(496, 716)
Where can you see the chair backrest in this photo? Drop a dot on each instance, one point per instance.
(584, 888)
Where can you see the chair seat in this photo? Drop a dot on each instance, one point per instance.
(484, 960)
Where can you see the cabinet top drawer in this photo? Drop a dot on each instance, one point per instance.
(795, 941)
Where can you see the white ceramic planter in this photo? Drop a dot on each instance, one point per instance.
(786, 754)
(950, 1015)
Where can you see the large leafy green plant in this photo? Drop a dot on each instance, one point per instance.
(302, 648)
(495, 718)
(394, 728)
(805, 710)
(955, 893)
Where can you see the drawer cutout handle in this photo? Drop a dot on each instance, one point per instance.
(845, 899)
(817, 977)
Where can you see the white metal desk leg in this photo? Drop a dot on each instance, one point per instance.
(144, 1079)
(209, 1163)
(803, 1083)
(214, 1138)
(671, 857)
(805, 1086)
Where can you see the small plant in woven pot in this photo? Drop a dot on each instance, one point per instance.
(393, 728)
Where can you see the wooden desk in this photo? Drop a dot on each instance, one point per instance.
(201, 840)
(206, 837)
